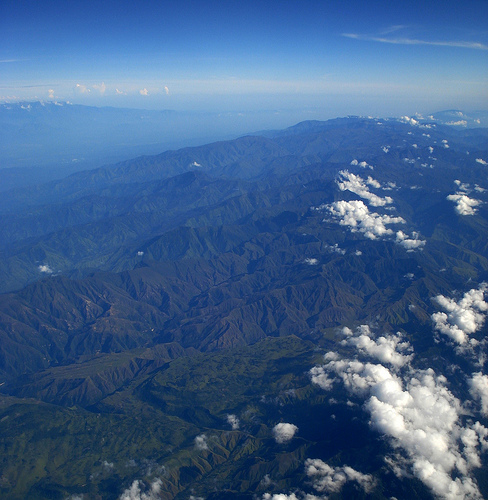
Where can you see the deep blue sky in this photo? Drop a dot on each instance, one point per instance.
(325, 58)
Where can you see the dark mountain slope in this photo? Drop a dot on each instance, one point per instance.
(192, 308)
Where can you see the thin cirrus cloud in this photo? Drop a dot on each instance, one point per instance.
(416, 41)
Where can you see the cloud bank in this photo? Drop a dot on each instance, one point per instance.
(414, 409)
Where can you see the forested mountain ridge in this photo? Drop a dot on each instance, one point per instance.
(178, 308)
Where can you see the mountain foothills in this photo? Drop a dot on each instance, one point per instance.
(295, 314)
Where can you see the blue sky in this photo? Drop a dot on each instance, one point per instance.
(324, 58)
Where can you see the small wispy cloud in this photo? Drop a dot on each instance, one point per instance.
(416, 41)
(144, 91)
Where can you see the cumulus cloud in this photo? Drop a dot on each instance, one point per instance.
(464, 204)
(459, 123)
(335, 248)
(410, 243)
(356, 215)
(460, 319)
(279, 496)
(284, 432)
(135, 492)
(166, 90)
(201, 442)
(120, 92)
(327, 479)
(362, 164)
(144, 91)
(81, 89)
(480, 160)
(358, 218)
(415, 410)
(391, 349)
(350, 182)
(479, 390)
(101, 88)
(311, 261)
(233, 421)
(51, 94)
(44, 268)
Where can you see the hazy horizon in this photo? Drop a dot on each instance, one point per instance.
(303, 59)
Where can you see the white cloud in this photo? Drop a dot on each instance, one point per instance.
(479, 390)
(120, 92)
(410, 243)
(101, 88)
(311, 262)
(135, 491)
(419, 415)
(44, 268)
(464, 204)
(462, 318)
(350, 182)
(81, 89)
(233, 421)
(144, 91)
(140, 253)
(279, 496)
(388, 349)
(415, 41)
(358, 218)
(284, 432)
(362, 164)
(201, 442)
(463, 186)
(480, 160)
(166, 89)
(51, 94)
(335, 248)
(327, 479)
(459, 123)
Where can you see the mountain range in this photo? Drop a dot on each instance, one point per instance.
(296, 312)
